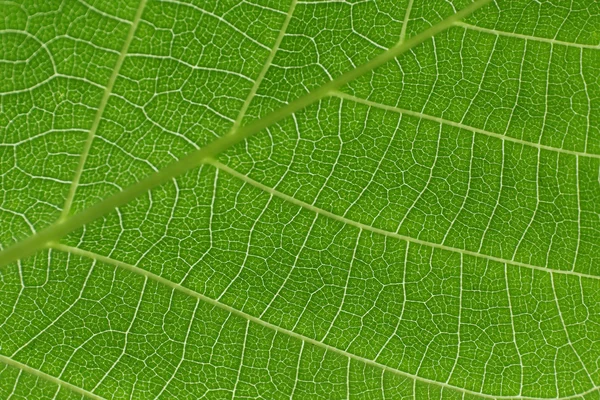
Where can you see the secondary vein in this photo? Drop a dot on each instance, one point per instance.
(305, 339)
(266, 66)
(103, 102)
(361, 226)
(49, 378)
(459, 125)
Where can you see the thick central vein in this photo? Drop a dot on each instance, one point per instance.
(197, 157)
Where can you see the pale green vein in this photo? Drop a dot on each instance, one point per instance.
(383, 232)
(461, 126)
(218, 18)
(527, 37)
(405, 21)
(103, 102)
(49, 378)
(197, 157)
(279, 329)
(265, 67)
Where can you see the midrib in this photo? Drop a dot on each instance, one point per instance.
(65, 225)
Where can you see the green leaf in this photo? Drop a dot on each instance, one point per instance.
(299, 199)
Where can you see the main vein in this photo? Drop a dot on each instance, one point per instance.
(197, 157)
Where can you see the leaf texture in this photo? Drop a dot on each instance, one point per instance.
(326, 225)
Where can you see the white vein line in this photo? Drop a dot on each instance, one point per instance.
(278, 329)
(527, 37)
(183, 351)
(40, 135)
(104, 14)
(382, 385)
(383, 232)
(103, 102)
(588, 98)
(251, 232)
(467, 193)
(567, 336)
(427, 185)
(346, 285)
(16, 384)
(460, 126)
(49, 378)
(126, 335)
(460, 308)
(239, 372)
(265, 67)
(348, 378)
(404, 301)
(217, 17)
(60, 316)
(48, 80)
(537, 202)
(381, 160)
(43, 47)
(191, 66)
(292, 268)
(297, 370)
(513, 330)
(340, 145)
(578, 212)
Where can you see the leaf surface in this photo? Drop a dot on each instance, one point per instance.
(300, 199)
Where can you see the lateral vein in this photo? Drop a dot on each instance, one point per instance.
(103, 102)
(49, 378)
(526, 37)
(383, 232)
(460, 125)
(265, 67)
(305, 339)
